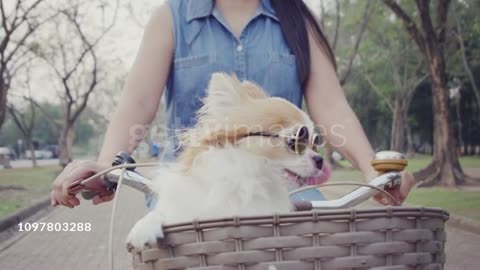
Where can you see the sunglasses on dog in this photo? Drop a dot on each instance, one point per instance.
(297, 142)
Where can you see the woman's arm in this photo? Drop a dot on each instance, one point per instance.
(329, 109)
(137, 107)
(143, 89)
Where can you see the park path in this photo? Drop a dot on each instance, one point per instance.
(89, 250)
(77, 250)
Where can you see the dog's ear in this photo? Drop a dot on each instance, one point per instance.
(226, 90)
(252, 90)
(223, 90)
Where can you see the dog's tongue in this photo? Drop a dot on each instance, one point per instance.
(318, 180)
(326, 171)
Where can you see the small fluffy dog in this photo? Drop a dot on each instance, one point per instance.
(246, 151)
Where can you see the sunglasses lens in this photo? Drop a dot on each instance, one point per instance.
(302, 133)
(301, 141)
(300, 147)
(316, 143)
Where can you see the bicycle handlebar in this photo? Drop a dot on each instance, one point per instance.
(355, 197)
(389, 180)
(386, 162)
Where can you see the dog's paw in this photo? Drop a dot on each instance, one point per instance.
(146, 232)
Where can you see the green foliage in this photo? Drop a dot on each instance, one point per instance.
(391, 60)
(45, 133)
(84, 131)
(9, 133)
(371, 111)
(467, 14)
(421, 115)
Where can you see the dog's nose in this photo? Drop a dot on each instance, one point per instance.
(318, 161)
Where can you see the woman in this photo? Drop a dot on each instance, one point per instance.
(275, 43)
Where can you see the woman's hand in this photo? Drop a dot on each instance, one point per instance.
(400, 193)
(73, 172)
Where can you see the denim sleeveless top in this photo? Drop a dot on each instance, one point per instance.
(204, 44)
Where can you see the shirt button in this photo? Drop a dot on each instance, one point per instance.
(239, 48)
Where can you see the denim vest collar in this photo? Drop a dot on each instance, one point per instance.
(197, 9)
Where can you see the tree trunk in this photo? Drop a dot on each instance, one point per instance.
(65, 143)
(459, 120)
(397, 141)
(410, 147)
(3, 101)
(32, 150)
(445, 168)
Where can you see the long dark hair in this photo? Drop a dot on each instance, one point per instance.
(295, 17)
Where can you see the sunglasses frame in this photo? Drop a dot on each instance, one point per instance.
(298, 146)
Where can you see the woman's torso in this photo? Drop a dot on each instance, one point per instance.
(204, 45)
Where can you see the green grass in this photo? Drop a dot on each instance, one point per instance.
(346, 175)
(465, 203)
(421, 161)
(23, 186)
(470, 162)
(460, 202)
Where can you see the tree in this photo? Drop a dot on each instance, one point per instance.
(72, 54)
(350, 47)
(445, 168)
(25, 122)
(24, 118)
(390, 65)
(19, 21)
(372, 111)
(459, 33)
(463, 49)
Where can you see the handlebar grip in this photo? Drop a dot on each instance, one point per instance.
(120, 158)
(302, 206)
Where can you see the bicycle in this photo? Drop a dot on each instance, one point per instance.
(319, 235)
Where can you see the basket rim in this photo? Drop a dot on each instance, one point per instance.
(318, 215)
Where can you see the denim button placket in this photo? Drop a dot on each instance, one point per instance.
(240, 60)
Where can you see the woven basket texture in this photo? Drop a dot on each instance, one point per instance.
(388, 238)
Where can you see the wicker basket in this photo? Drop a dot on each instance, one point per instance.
(390, 238)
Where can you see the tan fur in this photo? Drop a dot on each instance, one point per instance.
(231, 110)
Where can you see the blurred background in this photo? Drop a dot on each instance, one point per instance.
(410, 72)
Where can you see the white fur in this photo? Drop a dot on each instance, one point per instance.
(240, 177)
(222, 183)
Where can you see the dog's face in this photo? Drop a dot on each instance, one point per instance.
(242, 115)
